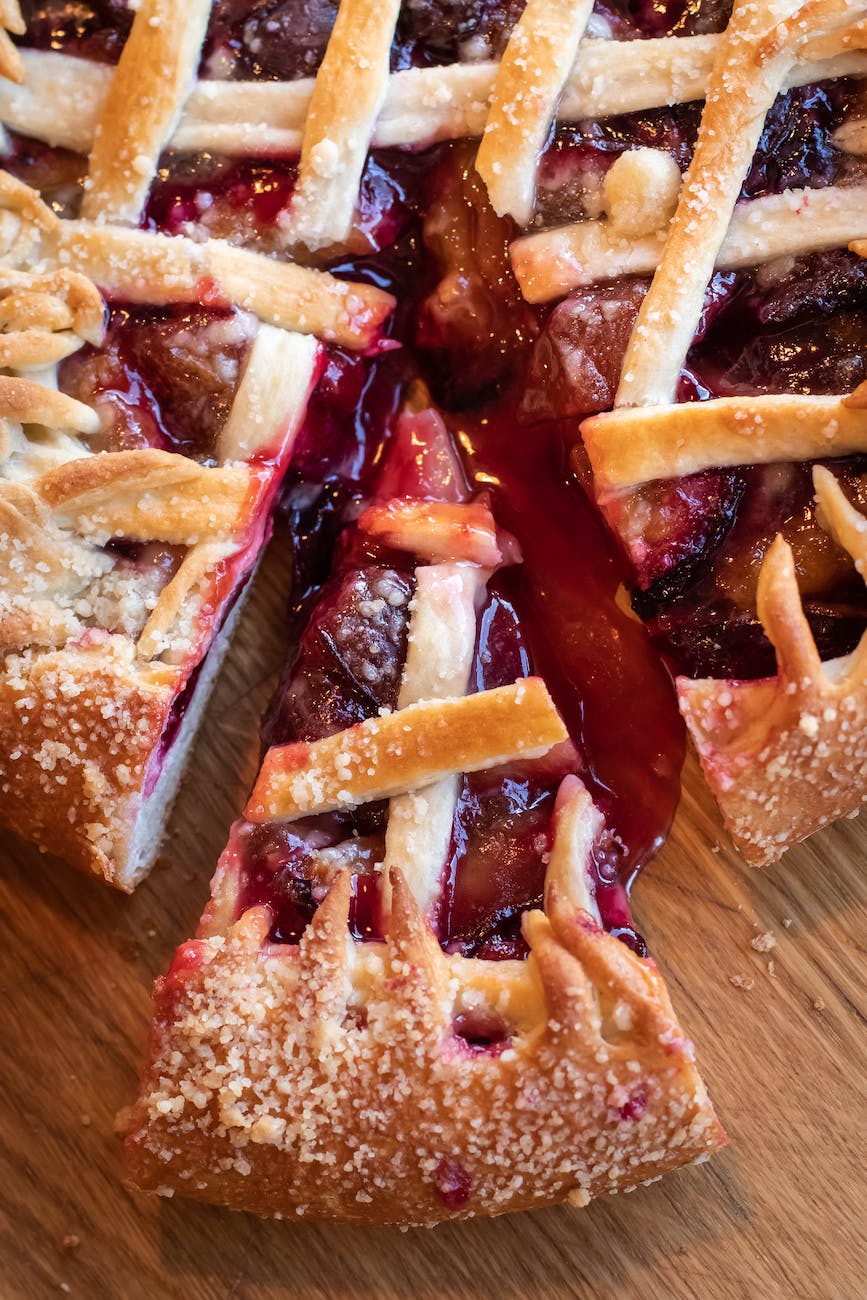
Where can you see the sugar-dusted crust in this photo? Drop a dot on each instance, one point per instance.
(407, 750)
(78, 727)
(349, 91)
(327, 1080)
(551, 263)
(156, 70)
(422, 105)
(781, 762)
(94, 649)
(755, 56)
(628, 446)
(787, 755)
(151, 268)
(528, 84)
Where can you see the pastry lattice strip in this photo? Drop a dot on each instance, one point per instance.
(421, 105)
(630, 446)
(787, 755)
(553, 262)
(758, 51)
(330, 1079)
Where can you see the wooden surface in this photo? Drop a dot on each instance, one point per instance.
(780, 1213)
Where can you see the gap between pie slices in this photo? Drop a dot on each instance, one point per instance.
(513, 377)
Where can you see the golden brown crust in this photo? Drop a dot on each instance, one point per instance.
(158, 269)
(406, 750)
(787, 755)
(96, 646)
(630, 446)
(155, 72)
(349, 91)
(421, 106)
(11, 20)
(435, 530)
(78, 727)
(528, 84)
(328, 1079)
(551, 263)
(147, 495)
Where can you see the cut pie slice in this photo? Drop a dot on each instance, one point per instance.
(141, 446)
(404, 1004)
(424, 907)
(713, 496)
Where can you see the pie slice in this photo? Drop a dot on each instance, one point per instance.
(142, 440)
(404, 1003)
(751, 584)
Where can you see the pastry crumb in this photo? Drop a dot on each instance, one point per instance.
(745, 982)
(764, 942)
(818, 1004)
(71, 1241)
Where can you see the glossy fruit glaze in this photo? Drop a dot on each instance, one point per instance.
(162, 377)
(513, 382)
(284, 40)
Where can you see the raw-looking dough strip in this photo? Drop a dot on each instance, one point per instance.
(529, 82)
(143, 267)
(630, 446)
(422, 105)
(554, 262)
(442, 638)
(755, 57)
(577, 824)
(272, 396)
(347, 96)
(141, 109)
(406, 750)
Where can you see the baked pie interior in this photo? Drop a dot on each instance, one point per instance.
(415, 247)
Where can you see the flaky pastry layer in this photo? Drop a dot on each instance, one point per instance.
(328, 1079)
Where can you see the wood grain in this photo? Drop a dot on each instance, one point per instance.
(781, 1213)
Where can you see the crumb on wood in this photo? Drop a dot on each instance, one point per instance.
(745, 982)
(787, 921)
(71, 1241)
(86, 1121)
(764, 942)
(772, 970)
(818, 1004)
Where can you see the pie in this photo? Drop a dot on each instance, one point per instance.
(415, 247)
(406, 967)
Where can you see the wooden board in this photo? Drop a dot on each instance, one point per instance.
(782, 1212)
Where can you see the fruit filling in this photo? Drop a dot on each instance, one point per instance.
(492, 391)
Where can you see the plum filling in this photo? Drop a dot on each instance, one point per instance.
(512, 382)
(284, 40)
(348, 666)
(162, 377)
(703, 616)
(92, 29)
